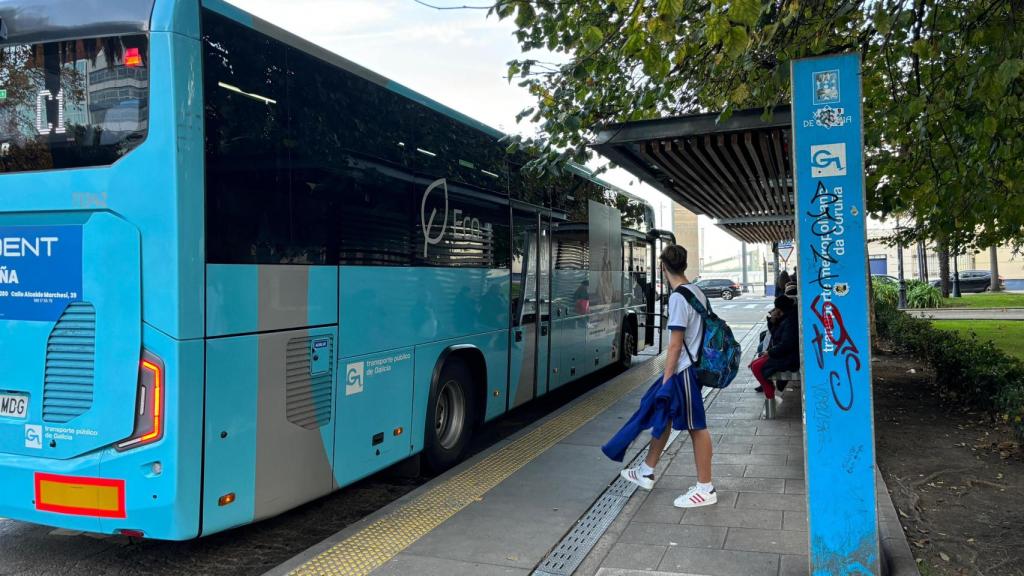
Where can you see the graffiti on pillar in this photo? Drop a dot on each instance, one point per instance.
(833, 300)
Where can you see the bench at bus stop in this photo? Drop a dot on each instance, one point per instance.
(771, 404)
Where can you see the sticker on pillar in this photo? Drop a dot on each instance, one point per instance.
(828, 160)
(354, 374)
(841, 289)
(826, 87)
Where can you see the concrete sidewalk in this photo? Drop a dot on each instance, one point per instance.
(505, 510)
(759, 525)
(967, 313)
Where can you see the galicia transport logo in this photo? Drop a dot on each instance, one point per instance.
(354, 374)
(828, 160)
(34, 436)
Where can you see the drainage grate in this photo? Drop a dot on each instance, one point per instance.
(574, 547)
(581, 539)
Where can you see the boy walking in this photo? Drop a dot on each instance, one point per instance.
(674, 400)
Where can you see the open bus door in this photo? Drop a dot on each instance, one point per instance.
(657, 309)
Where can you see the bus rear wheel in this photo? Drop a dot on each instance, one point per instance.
(450, 417)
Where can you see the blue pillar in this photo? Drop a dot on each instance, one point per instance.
(839, 440)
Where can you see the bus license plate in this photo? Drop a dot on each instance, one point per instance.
(13, 406)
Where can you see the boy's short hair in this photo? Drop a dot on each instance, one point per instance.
(674, 258)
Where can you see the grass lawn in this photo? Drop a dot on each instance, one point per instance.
(1007, 335)
(986, 300)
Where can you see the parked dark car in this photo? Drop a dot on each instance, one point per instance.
(714, 288)
(973, 281)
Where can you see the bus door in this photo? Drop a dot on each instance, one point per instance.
(657, 301)
(531, 306)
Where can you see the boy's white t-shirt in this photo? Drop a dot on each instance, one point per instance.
(682, 316)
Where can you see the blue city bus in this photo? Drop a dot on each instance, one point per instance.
(238, 272)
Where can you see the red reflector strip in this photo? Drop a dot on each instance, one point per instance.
(80, 495)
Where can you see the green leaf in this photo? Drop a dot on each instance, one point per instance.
(671, 8)
(621, 5)
(592, 37)
(717, 29)
(740, 94)
(1009, 71)
(525, 16)
(745, 12)
(736, 41)
(633, 44)
(882, 20)
(991, 125)
(922, 48)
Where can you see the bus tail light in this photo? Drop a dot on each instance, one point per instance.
(149, 413)
(132, 58)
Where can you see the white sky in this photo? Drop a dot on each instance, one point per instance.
(457, 57)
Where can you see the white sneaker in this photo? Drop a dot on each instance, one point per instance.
(695, 498)
(633, 475)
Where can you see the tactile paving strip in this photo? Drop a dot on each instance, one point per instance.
(372, 546)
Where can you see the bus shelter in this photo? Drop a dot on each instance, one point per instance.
(739, 171)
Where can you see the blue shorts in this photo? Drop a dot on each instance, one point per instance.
(691, 402)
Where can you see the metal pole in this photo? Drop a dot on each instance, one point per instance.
(743, 264)
(899, 259)
(903, 282)
(537, 315)
(775, 267)
(922, 261)
(956, 277)
(764, 274)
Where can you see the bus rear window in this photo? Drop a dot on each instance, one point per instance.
(72, 103)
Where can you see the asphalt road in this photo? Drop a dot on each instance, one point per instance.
(743, 311)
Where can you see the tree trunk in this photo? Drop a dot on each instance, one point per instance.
(993, 255)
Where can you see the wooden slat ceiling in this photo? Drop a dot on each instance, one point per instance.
(738, 172)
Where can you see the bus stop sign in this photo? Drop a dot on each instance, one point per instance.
(839, 446)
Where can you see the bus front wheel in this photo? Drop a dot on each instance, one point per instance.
(450, 417)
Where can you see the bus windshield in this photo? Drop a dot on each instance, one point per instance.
(72, 103)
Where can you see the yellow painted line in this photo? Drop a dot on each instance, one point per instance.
(374, 545)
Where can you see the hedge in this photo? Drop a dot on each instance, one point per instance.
(974, 372)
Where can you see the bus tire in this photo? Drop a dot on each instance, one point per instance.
(627, 342)
(450, 417)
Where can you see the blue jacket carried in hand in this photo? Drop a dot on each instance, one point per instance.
(661, 405)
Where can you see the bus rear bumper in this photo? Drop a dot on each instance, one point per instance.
(104, 492)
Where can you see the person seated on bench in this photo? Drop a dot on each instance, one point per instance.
(783, 353)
